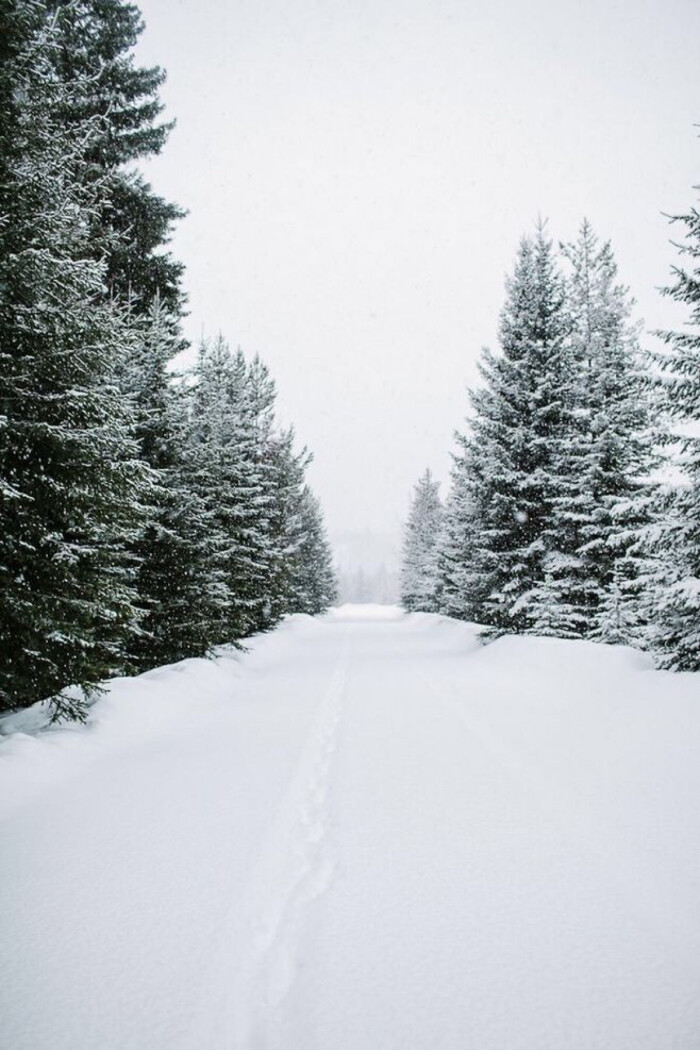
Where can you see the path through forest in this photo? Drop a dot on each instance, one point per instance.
(368, 833)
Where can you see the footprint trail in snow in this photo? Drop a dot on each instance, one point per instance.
(296, 868)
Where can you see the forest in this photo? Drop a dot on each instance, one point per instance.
(148, 514)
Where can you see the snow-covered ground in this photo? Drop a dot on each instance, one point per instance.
(368, 833)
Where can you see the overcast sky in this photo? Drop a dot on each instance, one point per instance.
(358, 174)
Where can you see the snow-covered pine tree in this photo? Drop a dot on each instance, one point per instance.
(673, 538)
(286, 523)
(420, 579)
(321, 586)
(214, 470)
(463, 584)
(260, 399)
(230, 479)
(265, 528)
(95, 42)
(313, 585)
(514, 447)
(182, 593)
(608, 450)
(72, 483)
(621, 614)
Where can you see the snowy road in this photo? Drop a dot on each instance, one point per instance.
(369, 833)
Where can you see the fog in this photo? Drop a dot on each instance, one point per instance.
(358, 175)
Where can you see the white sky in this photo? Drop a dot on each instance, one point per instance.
(358, 174)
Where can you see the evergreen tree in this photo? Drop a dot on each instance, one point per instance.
(463, 584)
(265, 526)
(673, 538)
(179, 587)
(264, 478)
(304, 581)
(230, 481)
(619, 614)
(95, 41)
(314, 581)
(72, 483)
(286, 535)
(513, 451)
(609, 445)
(419, 568)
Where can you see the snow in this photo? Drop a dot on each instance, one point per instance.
(366, 832)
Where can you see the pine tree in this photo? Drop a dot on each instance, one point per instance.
(618, 614)
(72, 482)
(182, 593)
(609, 446)
(265, 526)
(514, 446)
(312, 580)
(95, 41)
(673, 539)
(230, 482)
(463, 583)
(286, 535)
(420, 580)
(263, 473)
(319, 580)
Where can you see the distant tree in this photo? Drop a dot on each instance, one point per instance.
(419, 569)
(275, 474)
(463, 581)
(356, 587)
(313, 580)
(286, 525)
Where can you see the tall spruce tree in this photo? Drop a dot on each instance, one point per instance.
(132, 228)
(72, 481)
(420, 580)
(95, 41)
(673, 539)
(259, 407)
(230, 482)
(609, 446)
(513, 450)
(179, 588)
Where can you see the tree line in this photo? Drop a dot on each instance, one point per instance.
(574, 505)
(146, 516)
